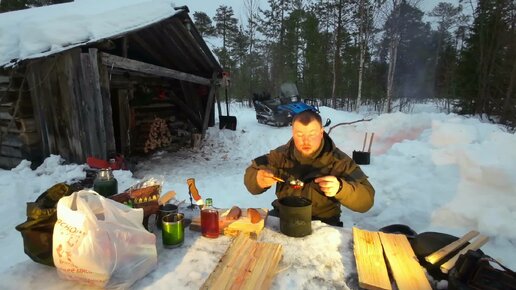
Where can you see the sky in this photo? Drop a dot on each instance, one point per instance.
(209, 7)
(431, 171)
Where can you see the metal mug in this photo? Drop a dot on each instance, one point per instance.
(173, 230)
(164, 210)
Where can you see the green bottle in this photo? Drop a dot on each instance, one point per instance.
(105, 183)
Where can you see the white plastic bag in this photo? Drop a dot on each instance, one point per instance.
(100, 242)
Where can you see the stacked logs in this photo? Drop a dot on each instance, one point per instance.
(159, 135)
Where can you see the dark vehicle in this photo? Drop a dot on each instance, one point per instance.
(279, 111)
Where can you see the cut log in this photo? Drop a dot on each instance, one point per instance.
(247, 264)
(475, 245)
(405, 268)
(372, 271)
(441, 253)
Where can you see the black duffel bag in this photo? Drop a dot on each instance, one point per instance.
(476, 271)
(38, 229)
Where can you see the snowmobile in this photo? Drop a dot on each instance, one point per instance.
(279, 111)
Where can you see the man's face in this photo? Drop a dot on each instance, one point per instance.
(307, 138)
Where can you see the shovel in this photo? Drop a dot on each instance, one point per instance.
(227, 122)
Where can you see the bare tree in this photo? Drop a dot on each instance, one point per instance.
(251, 7)
(336, 59)
(365, 30)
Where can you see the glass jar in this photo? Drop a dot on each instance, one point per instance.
(105, 183)
(210, 220)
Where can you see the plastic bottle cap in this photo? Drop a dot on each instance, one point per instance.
(209, 202)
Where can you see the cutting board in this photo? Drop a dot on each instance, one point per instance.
(234, 227)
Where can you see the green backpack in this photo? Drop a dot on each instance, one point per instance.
(37, 231)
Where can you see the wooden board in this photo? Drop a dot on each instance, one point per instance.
(247, 264)
(372, 271)
(403, 263)
(441, 253)
(475, 245)
(233, 228)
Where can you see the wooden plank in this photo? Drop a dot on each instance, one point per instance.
(107, 109)
(150, 47)
(441, 253)
(209, 105)
(124, 121)
(39, 93)
(4, 79)
(371, 268)
(199, 58)
(26, 124)
(247, 264)
(11, 151)
(71, 116)
(125, 63)
(405, 268)
(5, 116)
(95, 131)
(192, 116)
(11, 140)
(475, 245)
(9, 162)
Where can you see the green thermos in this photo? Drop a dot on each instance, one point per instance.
(105, 183)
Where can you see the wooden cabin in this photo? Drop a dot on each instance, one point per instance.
(148, 88)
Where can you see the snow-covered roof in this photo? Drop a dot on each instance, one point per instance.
(42, 31)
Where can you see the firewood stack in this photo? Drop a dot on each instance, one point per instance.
(159, 135)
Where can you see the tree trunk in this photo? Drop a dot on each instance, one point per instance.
(336, 59)
(393, 55)
(362, 36)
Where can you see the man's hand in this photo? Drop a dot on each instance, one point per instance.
(264, 178)
(330, 185)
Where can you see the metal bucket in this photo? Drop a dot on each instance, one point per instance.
(295, 216)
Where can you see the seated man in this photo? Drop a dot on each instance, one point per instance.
(330, 177)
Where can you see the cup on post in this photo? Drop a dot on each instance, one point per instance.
(173, 230)
(164, 210)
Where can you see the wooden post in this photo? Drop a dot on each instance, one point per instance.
(91, 94)
(37, 103)
(107, 110)
(209, 105)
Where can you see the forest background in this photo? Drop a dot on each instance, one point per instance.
(380, 53)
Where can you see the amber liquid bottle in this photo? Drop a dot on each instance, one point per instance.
(209, 220)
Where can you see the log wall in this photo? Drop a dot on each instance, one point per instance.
(71, 113)
(19, 138)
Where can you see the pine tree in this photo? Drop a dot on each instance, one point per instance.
(204, 24)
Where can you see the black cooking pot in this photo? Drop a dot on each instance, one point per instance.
(295, 216)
